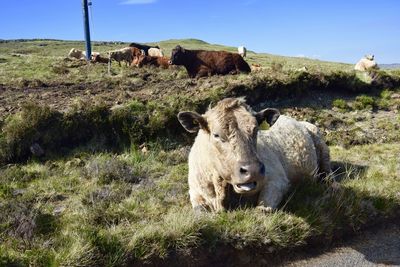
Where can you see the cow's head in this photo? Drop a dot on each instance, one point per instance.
(369, 57)
(230, 133)
(177, 55)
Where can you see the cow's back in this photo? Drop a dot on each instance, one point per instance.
(222, 62)
(291, 143)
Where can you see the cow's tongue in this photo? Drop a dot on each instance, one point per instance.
(248, 186)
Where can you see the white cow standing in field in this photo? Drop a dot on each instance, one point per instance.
(366, 63)
(242, 51)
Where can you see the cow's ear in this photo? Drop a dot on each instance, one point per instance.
(192, 121)
(270, 115)
(180, 48)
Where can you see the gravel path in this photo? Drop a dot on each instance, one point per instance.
(379, 247)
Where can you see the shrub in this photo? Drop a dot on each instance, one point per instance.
(34, 124)
(364, 102)
(340, 104)
(106, 170)
(276, 66)
(385, 94)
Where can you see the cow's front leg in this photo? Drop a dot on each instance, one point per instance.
(220, 194)
(272, 193)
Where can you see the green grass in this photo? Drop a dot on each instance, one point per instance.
(340, 104)
(97, 198)
(92, 218)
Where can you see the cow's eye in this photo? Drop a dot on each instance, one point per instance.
(219, 138)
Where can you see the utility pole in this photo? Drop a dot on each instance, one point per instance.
(86, 28)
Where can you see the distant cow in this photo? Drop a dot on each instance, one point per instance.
(256, 67)
(242, 51)
(124, 54)
(97, 58)
(201, 63)
(136, 52)
(366, 63)
(76, 53)
(79, 54)
(155, 52)
(143, 47)
(162, 62)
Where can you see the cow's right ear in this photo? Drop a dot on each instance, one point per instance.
(270, 115)
(192, 121)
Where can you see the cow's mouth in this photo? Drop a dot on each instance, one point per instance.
(245, 188)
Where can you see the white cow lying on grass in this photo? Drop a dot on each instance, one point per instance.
(366, 63)
(79, 54)
(242, 51)
(231, 153)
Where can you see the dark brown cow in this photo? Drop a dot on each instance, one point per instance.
(162, 62)
(200, 63)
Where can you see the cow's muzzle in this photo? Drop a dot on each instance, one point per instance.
(245, 188)
(249, 175)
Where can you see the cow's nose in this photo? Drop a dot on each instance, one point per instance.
(251, 170)
(170, 62)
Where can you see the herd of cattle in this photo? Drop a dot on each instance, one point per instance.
(198, 63)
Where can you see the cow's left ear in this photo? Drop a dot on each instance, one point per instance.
(192, 121)
(270, 115)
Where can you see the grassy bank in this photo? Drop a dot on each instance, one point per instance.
(139, 121)
(116, 209)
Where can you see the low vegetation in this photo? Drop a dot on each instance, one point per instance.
(110, 187)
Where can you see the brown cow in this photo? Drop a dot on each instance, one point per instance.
(99, 59)
(136, 52)
(200, 63)
(161, 62)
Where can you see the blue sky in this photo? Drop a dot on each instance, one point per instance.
(340, 30)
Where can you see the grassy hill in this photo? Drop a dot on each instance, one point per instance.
(31, 59)
(111, 189)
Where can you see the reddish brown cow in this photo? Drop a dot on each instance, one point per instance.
(200, 63)
(136, 52)
(162, 62)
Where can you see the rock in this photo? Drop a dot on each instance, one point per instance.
(143, 148)
(36, 150)
(18, 192)
(58, 210)
(395, 96)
